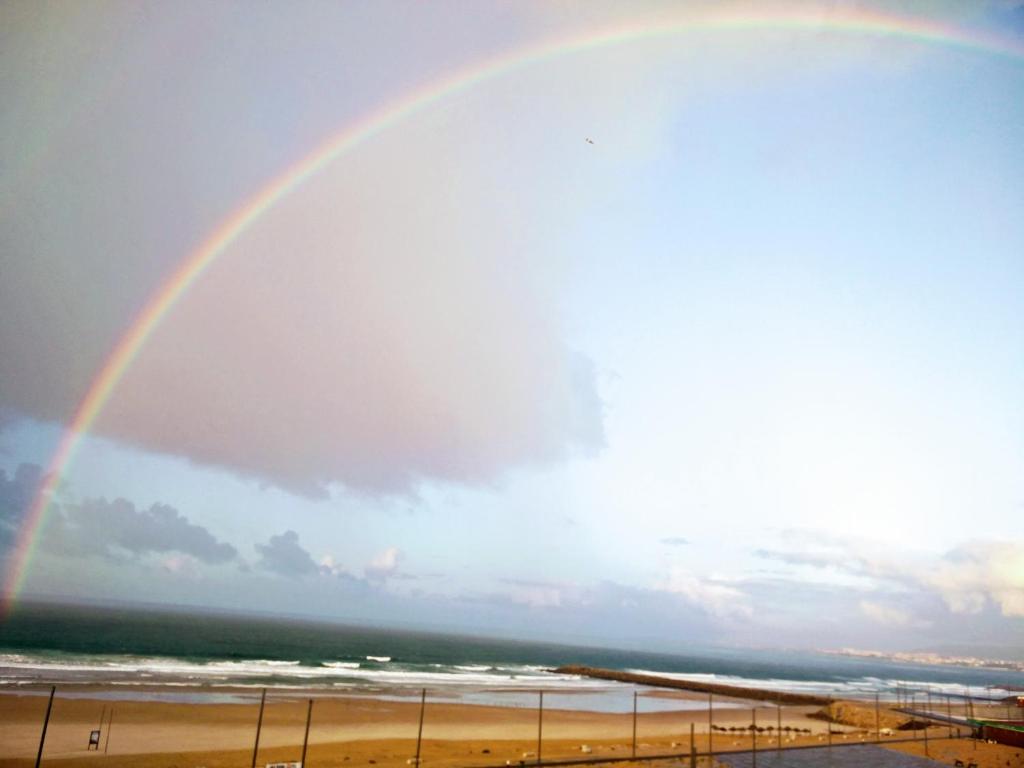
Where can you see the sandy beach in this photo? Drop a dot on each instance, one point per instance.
(364, 731)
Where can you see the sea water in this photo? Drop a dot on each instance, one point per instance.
(176, 656)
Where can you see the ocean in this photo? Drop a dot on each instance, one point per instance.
(176, 656)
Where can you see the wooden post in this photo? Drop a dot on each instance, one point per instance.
(828, 723)
(975, 732)
(878, 719)
(634, 723)
(753, 736)
(778, 725)
(419, 734)
(110, 727)
(926, 738)
(259, 727)
(540, 725)
(711, 746)
(305, 738)
(949, 714)
(46, 722)
(693, 749)
(103, 716)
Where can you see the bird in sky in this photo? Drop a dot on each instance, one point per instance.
(589, 140)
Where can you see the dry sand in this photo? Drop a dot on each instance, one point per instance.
(359, 732)
(351, 731)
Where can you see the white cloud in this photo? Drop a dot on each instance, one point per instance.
(889, 615)
(966, 578)
(383, 566)
(718, 599)
(329, 567)
(977, 572)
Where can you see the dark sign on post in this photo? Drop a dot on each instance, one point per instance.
(94, 740)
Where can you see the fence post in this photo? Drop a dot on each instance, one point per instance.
(778, 725)
(110, 727)
(305, 738)
(711, 746)
(926, 739)
(753, 735)
(634, 723)
(693, 749)
(828, 723)
(949, 714)
(878, 720)
(419, 733)
(540, 724)
(259, 727)
(46, 722)
(103, 716)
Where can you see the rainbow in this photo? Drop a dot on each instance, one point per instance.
(850, 22)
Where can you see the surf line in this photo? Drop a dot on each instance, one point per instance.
(860, 22)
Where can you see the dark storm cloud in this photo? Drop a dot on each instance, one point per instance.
(16, 494)
(115, 527)
(283, 555)
(111, 529)
(17, 491)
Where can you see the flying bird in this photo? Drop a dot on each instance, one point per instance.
(589, 140)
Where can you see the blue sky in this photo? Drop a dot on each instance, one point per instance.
(747, 369)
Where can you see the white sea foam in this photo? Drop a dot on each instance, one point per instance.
(18, 668)
(461, 680)
(383, 659)
(864, 687)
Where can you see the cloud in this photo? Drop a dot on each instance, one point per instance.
(383, 566)
(967, 578)
(980, 571)
(393, 320)
(7, 418)
(329, 567)
(805, 558)
(283, 555)
(675, 541)
(109, 529)
(540, 594)
(113, 528)
(716, 598)
(889, 615)
(16, 495)
(180, 565)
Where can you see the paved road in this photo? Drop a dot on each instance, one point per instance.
(859, 756)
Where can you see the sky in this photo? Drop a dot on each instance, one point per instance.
(713, 336)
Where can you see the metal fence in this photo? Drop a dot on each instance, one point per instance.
(392, 728)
